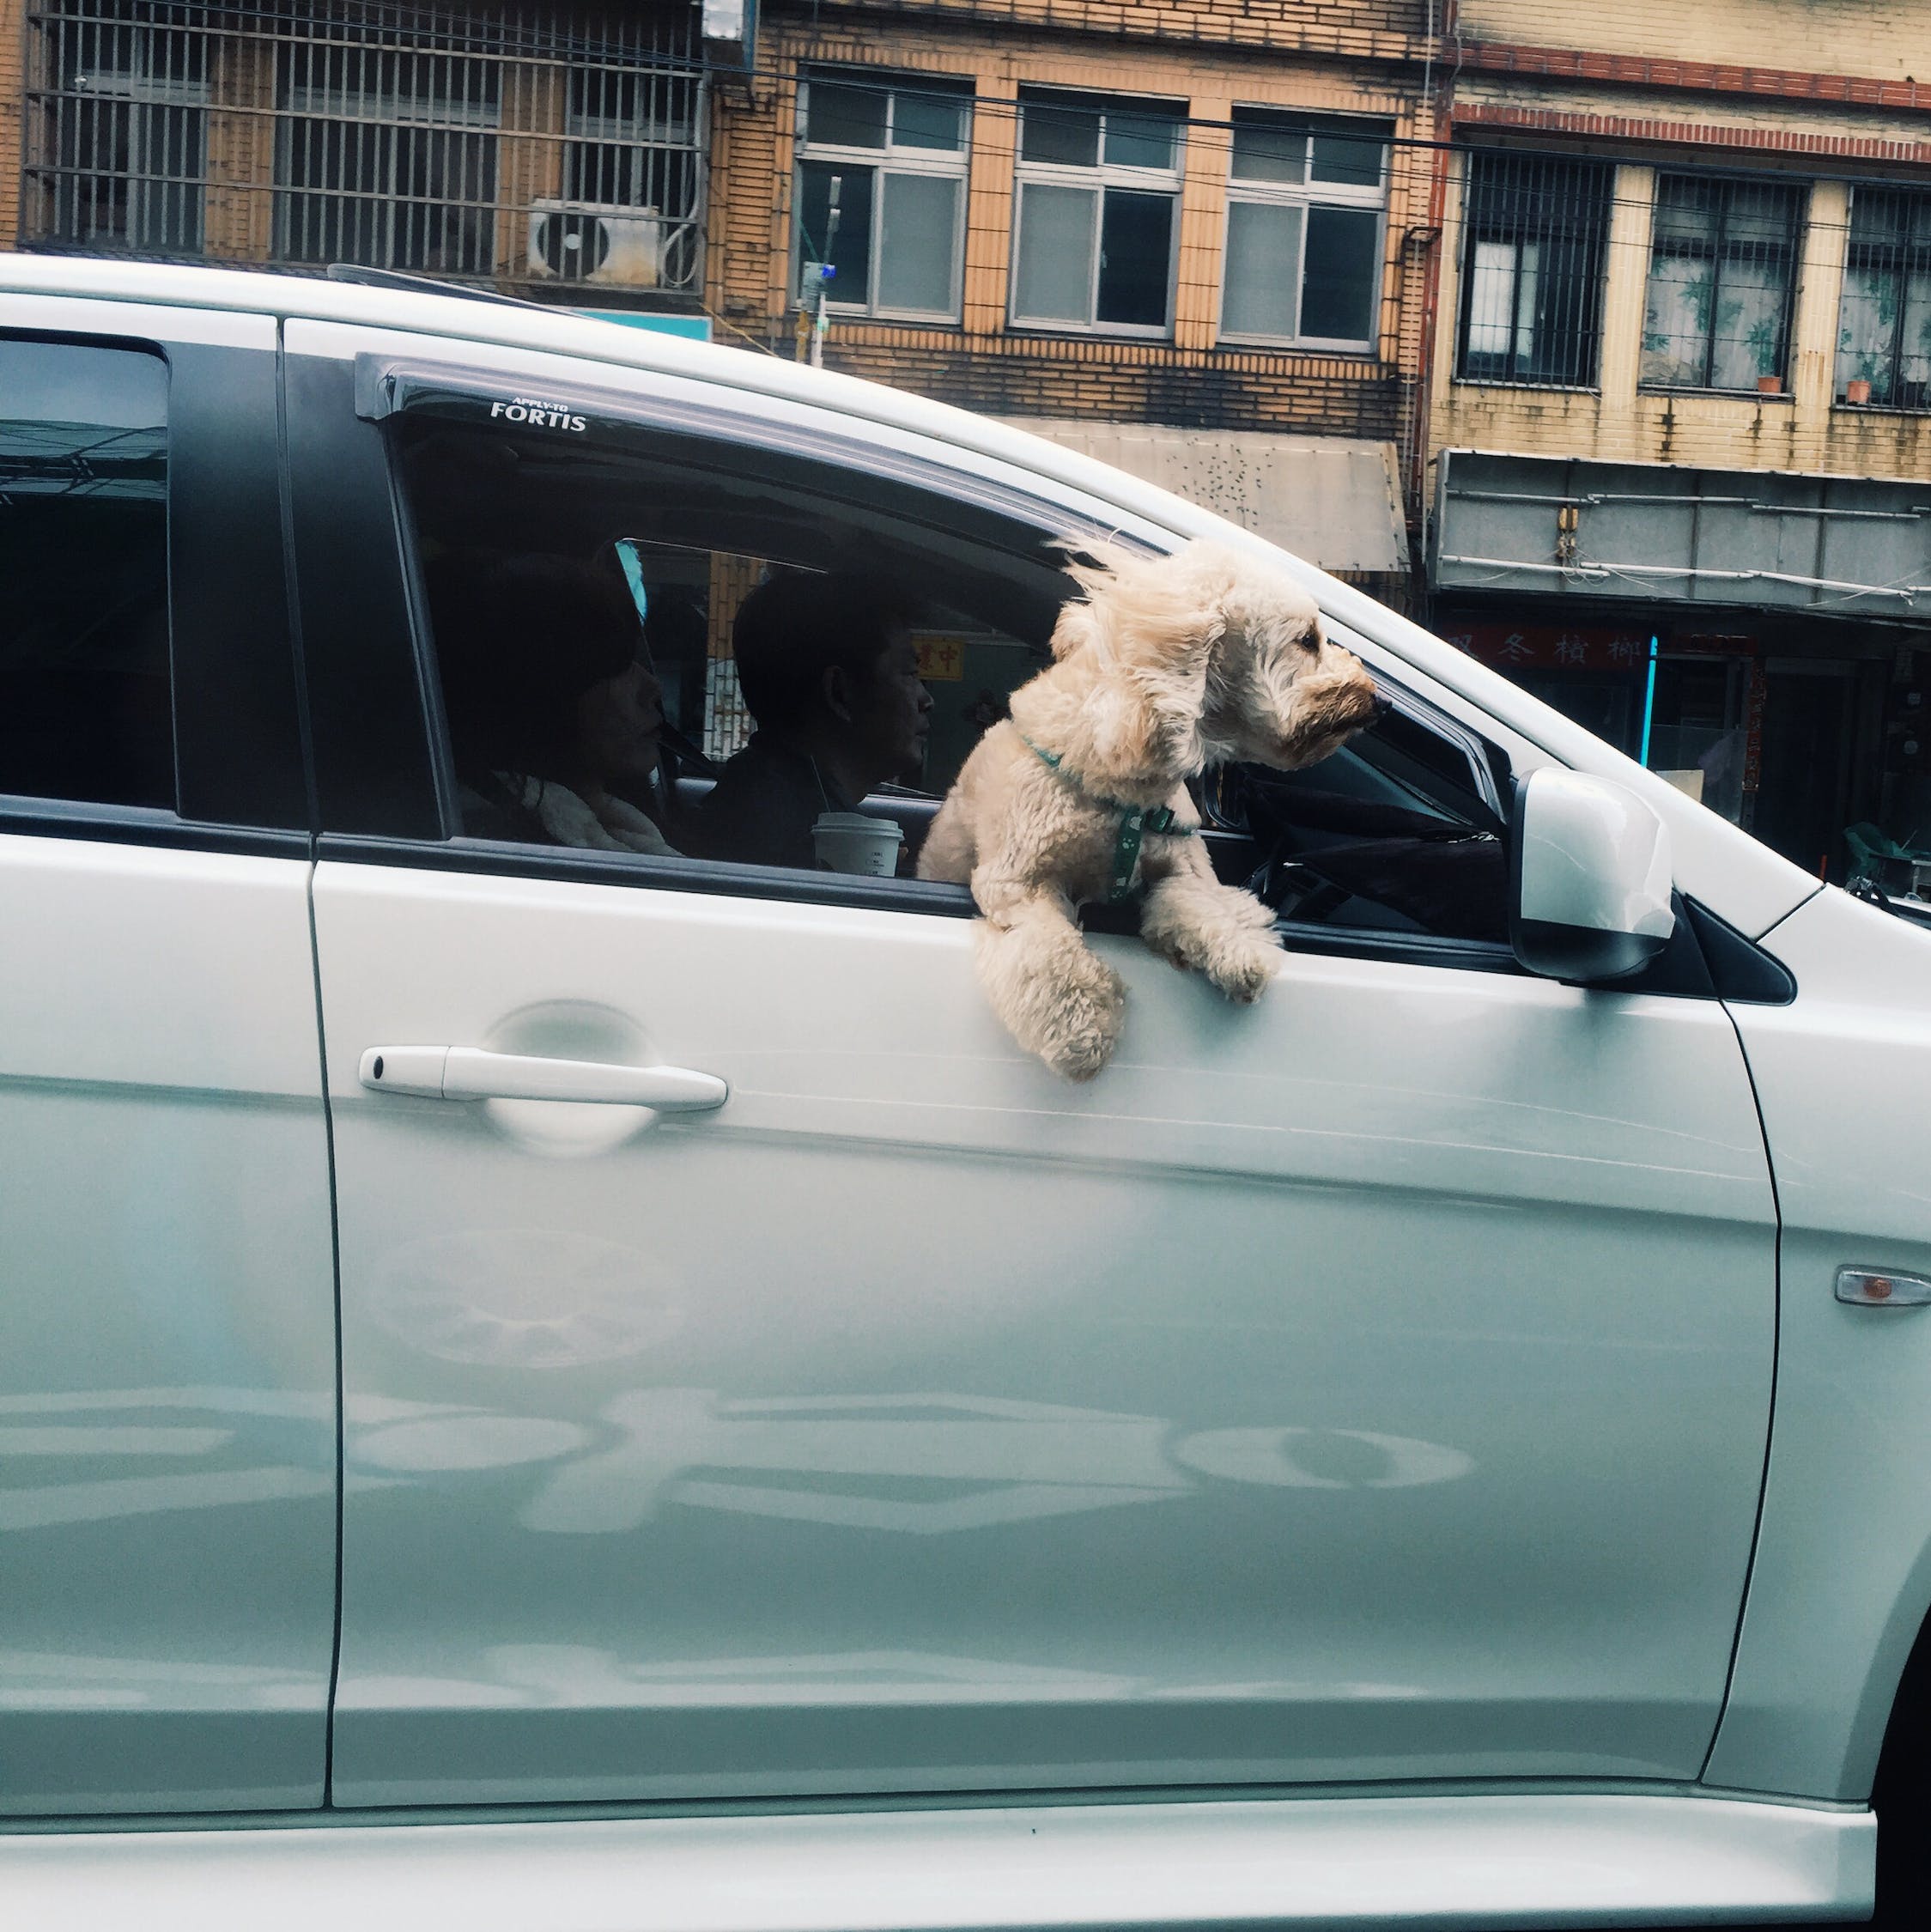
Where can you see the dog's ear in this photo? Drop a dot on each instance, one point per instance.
(1151, 627)
(1162, 614)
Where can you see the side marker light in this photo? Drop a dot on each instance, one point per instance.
(1871, 1288)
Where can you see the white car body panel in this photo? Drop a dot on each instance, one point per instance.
(1436, 1864)
(166, 1334)
(1843, 1568)
(1478, 1588)
(1435, 1426)
(122, 314)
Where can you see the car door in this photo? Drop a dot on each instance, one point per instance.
(167, 1319)
(1372, 1384)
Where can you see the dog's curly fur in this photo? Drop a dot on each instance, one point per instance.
(1169, 666)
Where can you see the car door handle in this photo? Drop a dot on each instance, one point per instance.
(471, 1073)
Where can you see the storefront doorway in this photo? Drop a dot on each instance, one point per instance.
(1792, 748)
(1685, 704)
(1804, 803)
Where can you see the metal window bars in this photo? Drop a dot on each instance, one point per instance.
(1535, 239)
(502, 144)
(1883, 325)
(1723, 282)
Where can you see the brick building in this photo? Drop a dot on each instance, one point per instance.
(555, 152)
(1188, 237)
(1680, 391)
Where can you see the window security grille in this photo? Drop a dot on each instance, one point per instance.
(1098, 188)
(1534, 252)
(1884, 327)
(386, 157)
(1304, 203)
(894, 154)
(130, 146)
(1723, 279)
(636, 140)
(494, 144)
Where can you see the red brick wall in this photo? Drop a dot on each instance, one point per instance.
(13, 89)
(1131, 382)
(1345, 29)
(1674, 122)
(1703, 76)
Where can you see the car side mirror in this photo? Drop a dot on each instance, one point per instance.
(1590, 897)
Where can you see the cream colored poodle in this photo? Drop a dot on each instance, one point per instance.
(1170, 665)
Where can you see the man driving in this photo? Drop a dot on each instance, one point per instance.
(830, 675)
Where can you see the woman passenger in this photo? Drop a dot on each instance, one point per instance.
(554, 716)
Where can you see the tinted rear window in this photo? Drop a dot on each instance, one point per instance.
(86, 708)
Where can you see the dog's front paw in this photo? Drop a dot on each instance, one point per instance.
(1059, 999)
(1227, 934)
(1083, 1024)
(1241, 963)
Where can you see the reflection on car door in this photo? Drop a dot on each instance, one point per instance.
(1372, 1384)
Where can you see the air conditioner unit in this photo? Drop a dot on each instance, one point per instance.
(603, 247)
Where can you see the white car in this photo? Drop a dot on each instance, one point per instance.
(568, 1387)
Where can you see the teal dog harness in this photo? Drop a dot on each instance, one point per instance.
(1135, 822)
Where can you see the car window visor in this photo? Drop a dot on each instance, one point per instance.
(1478, 798)
(490, 400)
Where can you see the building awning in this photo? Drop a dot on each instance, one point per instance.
(1660, 533)
(1332, 500)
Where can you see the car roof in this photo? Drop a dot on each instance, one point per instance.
(460, 316)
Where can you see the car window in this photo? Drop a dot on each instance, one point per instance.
(86, 709)
(584, 591)
(512, 524)
(1397, 832)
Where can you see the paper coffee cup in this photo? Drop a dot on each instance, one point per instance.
(849, 841)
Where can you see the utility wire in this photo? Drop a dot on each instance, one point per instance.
(507, 33)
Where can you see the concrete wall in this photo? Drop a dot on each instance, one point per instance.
(1889, 39)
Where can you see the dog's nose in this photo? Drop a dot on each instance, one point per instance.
(1382, 704)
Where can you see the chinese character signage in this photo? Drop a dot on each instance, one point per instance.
(1553, 646)
(941, 660)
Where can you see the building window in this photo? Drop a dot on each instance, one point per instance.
(508, 144)
(1304, 210)
(1098, 197)
(1884, 328)
(1534, 244)
(125, 119)
(631, 146)
(381, 157)
(1722, 273)
(881, 194)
